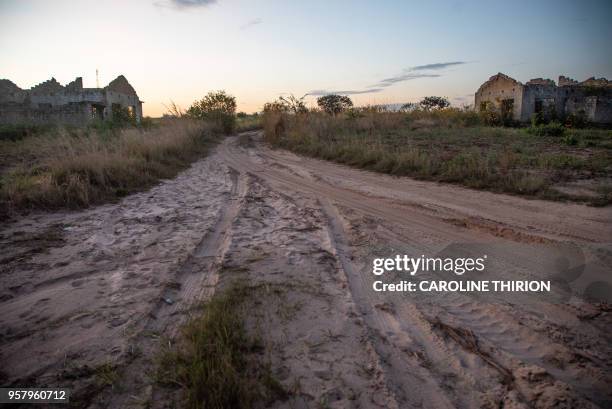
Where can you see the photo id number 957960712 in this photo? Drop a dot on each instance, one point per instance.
(34, 395)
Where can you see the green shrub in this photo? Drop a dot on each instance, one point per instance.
(570, 139)
(550, 129)
(122, 116)
(576, 121)
(216, 107)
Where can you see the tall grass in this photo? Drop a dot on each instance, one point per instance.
(79, 167)
(449, 145)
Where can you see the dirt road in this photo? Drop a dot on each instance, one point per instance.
(87, 296)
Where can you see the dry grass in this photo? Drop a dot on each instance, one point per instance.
(452, 146)
(81, 167)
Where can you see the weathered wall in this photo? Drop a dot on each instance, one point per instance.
(113, 97)
(592, 98)
(50, 102)
(595, 102)
(544, 92)
(72, 113)
(498, 88)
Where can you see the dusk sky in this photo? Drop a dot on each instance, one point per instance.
(377, 51)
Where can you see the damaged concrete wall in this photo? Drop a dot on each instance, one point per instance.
(591, 98)
(540, 97)
(496, 90)
(50, 102)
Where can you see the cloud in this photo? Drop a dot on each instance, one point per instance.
(387, 82)
(185, 4)
(413, 73)
(321, 92)
(251, 23)
(436, 66)
(408, 74)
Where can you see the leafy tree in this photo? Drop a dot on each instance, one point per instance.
(217, 107)
(334, 104)
(428, 103)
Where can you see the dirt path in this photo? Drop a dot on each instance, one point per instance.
(87, 296)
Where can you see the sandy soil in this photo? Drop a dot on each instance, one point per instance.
(86, 297)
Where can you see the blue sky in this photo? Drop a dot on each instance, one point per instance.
(257, 50)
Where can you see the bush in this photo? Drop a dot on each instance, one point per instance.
(489, 115)
(122, 116)
(216, 107)
(334, 104)
(570, 140)
(550, 129)
(576, 121)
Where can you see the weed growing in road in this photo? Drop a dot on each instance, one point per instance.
(216, 362)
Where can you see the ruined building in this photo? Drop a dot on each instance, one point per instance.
(51, 102)
(590, 99)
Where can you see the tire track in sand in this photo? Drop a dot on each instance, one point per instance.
(195, 281)
(410, 382)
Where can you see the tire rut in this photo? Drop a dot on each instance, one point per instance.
(195, 281)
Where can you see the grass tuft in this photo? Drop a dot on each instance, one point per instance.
(215, 362)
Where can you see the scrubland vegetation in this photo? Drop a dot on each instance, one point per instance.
(452, 145)
(78, 167)
(51, 166)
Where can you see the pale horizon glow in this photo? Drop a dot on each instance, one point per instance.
(381, 52)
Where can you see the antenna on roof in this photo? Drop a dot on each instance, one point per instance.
(97, 79)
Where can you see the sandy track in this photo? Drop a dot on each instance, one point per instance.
(88, 295)
(522, 358)
(80, 289)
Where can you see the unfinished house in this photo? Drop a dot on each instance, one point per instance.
(51, 102)
(590, 99)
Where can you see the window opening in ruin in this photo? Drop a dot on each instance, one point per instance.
(507, 108)
(539, 106)
(97, 112)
